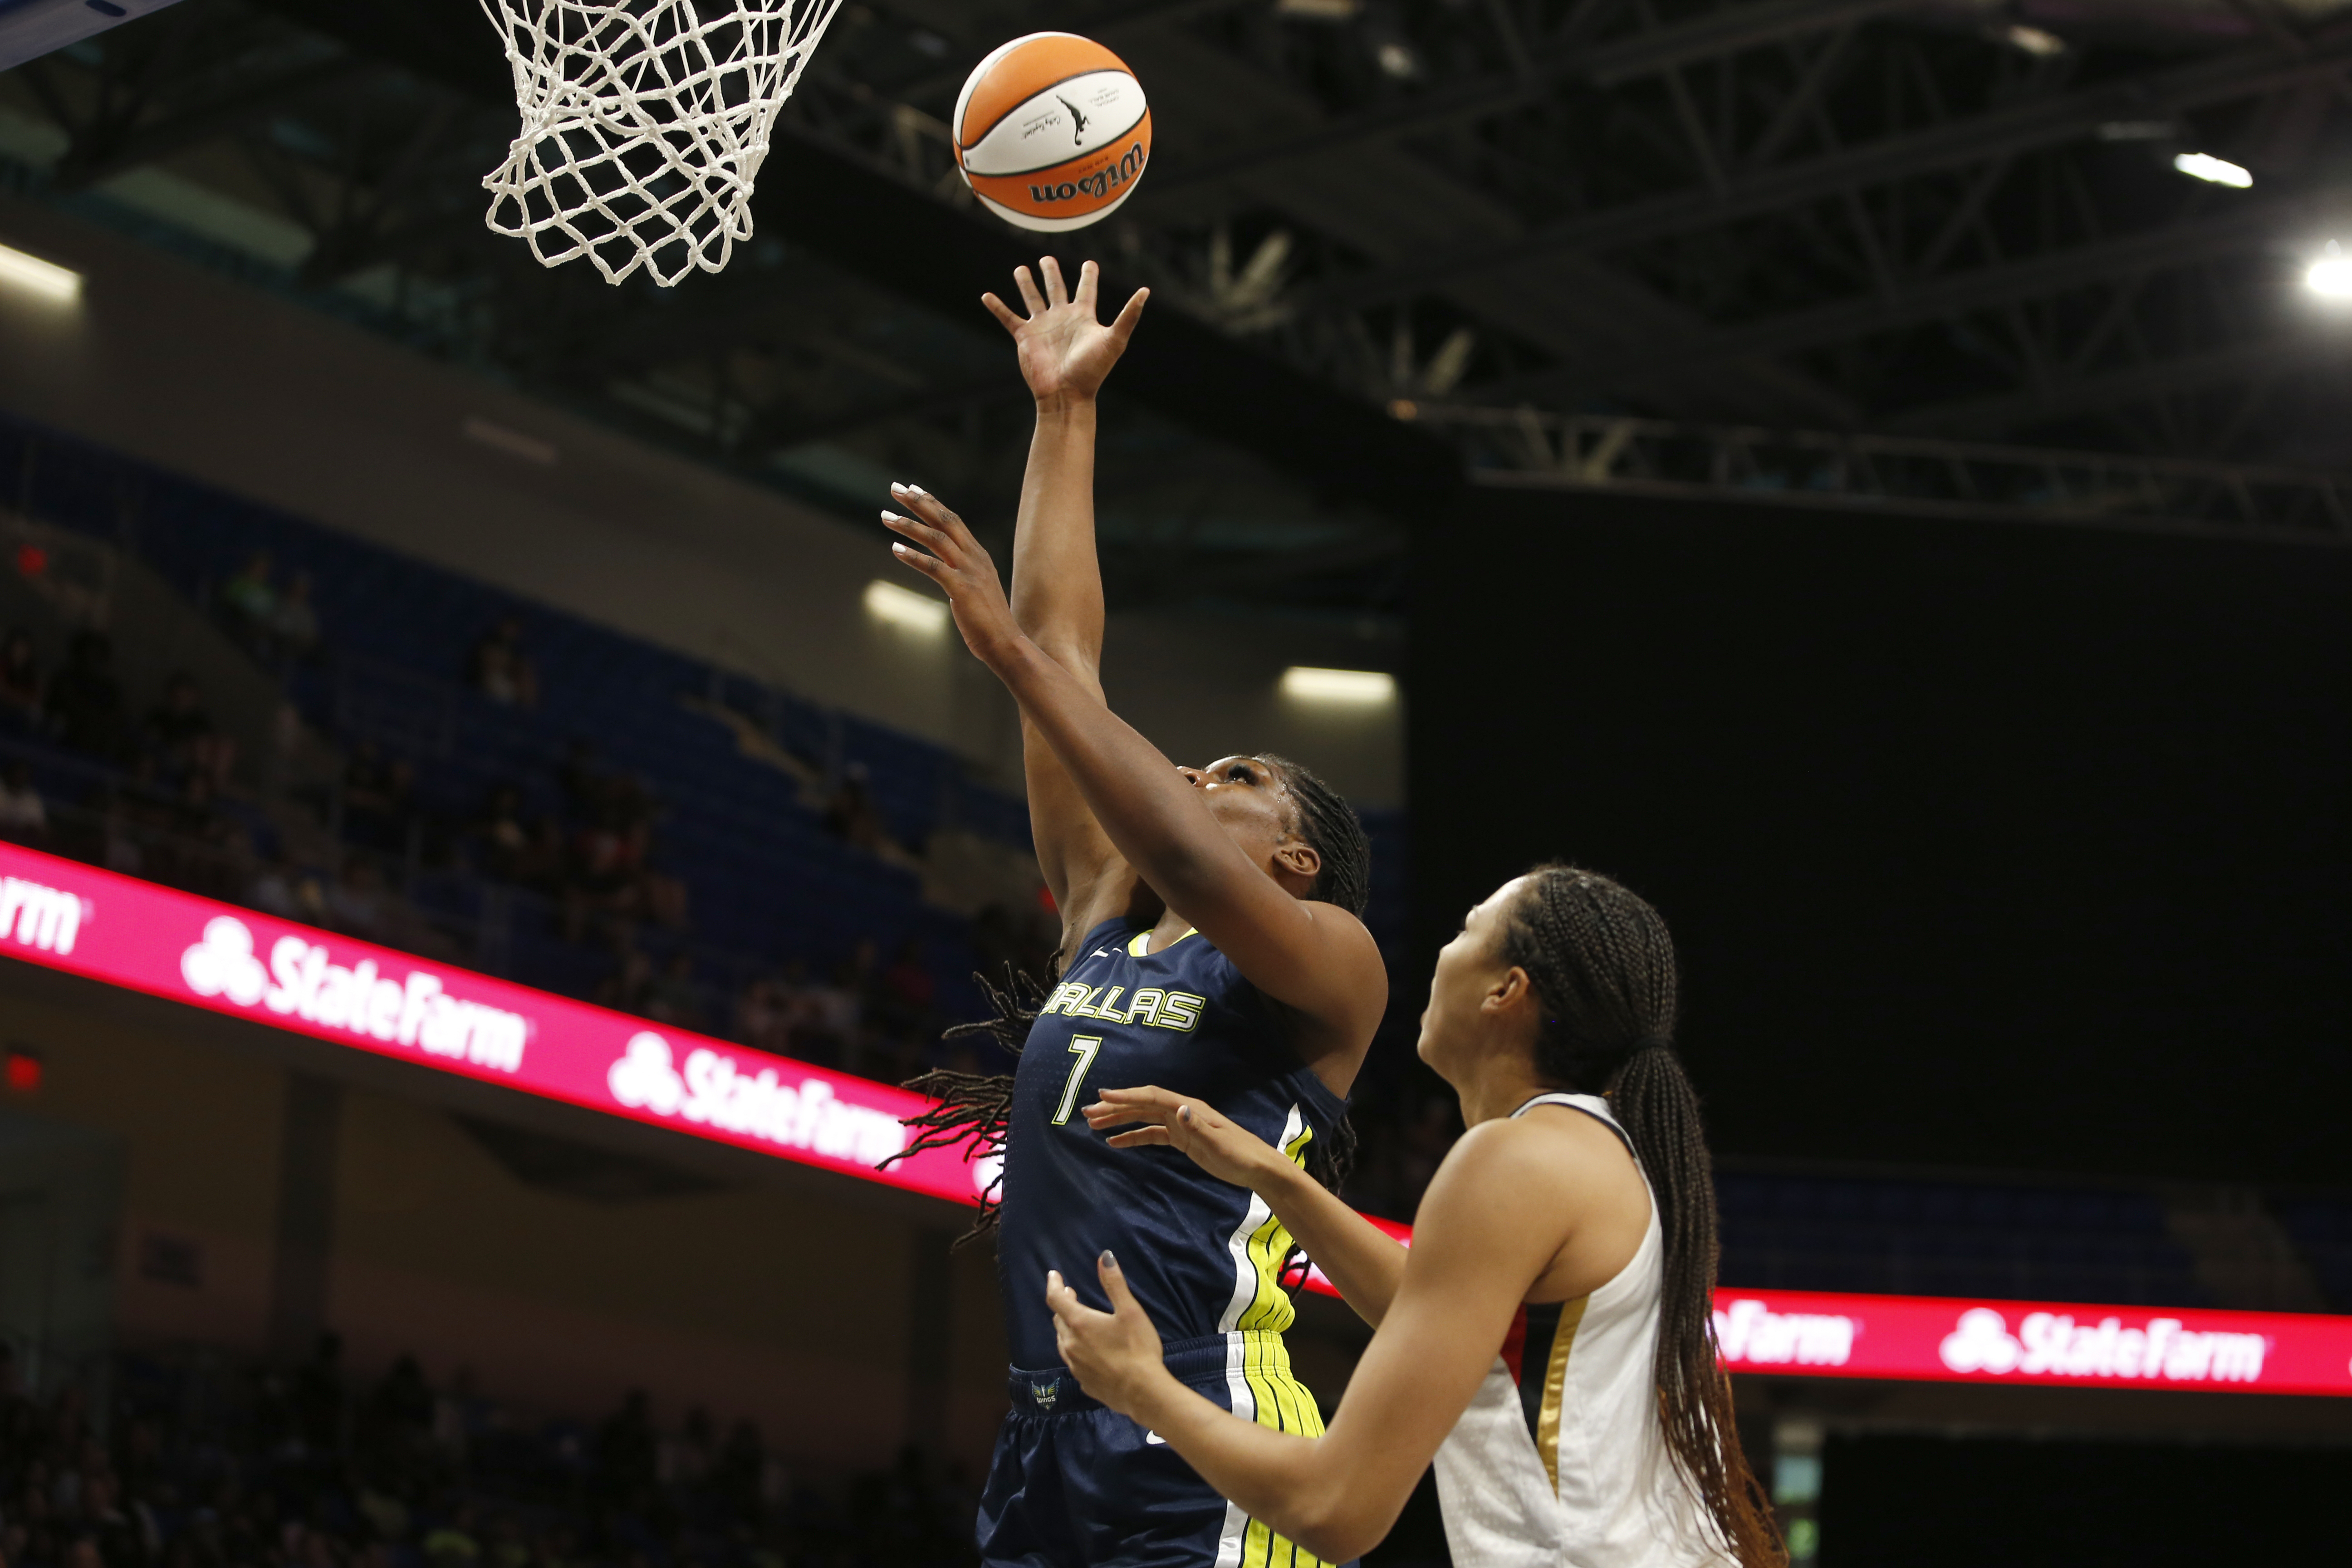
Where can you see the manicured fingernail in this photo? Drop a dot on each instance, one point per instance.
(898, 550)
(917, 490)
(1109, 1262)
(892, 517)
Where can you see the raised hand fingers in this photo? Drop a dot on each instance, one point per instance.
(1153, 1136)
(1089, 284)
(932, 509)
(1011, 319)
(1129, 313)
(1056, 292)
(1035, 301)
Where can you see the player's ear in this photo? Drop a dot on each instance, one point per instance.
(1510, 990)
(1299, 859)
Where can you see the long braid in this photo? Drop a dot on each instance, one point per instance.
(1602, 963)
(976, 1108)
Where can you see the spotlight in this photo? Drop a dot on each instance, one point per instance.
(2031, 41)
(1356, 688)
(2218, 170)
(58, 284)
(904, 608)
(2330, 276)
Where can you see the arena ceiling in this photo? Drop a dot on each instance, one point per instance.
(1364, 218)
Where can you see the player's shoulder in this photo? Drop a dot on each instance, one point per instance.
(1550, 1149)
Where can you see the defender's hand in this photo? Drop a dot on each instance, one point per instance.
(957, 564)
(1116, 1354)
(1226, 1150)
(1065, 352)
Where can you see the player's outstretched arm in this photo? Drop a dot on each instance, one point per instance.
(1065, 354)
(1491, 1224)
(1363, 1261)
(1314, 957)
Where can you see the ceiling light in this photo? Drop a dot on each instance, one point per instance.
(2218, 171)
(2330, 276)
(60, 285)
(1357, 688)
(904, 608)
(1398, 60)
(2033, 41)
(1318, 10)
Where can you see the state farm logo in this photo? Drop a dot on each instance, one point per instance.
(301, 982)
(44, 919)
(714, 1091)
(1752, 1334)
(2052, 1344)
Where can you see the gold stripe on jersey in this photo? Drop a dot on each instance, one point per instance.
(1267, 1247)
(1555, 1387)
(1285, 1404)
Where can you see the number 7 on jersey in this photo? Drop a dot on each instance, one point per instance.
(1083, 1048)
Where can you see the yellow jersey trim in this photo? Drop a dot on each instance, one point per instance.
(1556, 1387)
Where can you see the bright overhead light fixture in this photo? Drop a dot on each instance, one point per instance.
(2217, 171)
(59, 285)
(2330, 276)
(905, 609)
(1356, 688)
(2033, 41)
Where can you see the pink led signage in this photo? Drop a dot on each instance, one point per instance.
(126, 933)
(134, 934)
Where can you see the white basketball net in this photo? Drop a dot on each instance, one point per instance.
(643, 125)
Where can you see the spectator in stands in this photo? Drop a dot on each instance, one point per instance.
(763, 1017)
(379, 799)
(500, 668)
(502, 841)
(903, 993)
(357, 905)
(851, 815)
(294, 624)
(673, 998)
(184, 735)
(629, 982)
(24, 815)
(627, 1448)
(85, 701)
(20, 680)
(835, 1013)
(248, 602)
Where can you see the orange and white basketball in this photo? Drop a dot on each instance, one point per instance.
(1052, 131)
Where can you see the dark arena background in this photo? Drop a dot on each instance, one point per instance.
(485, 828)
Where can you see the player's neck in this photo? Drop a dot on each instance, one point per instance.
(1172, 929)
(1498, 1086)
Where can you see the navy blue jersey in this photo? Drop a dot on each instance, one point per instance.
(1202, 1256)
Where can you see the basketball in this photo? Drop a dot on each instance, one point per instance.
(1052, 131)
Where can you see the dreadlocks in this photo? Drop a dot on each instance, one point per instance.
(1329, 823)
(1602, 965)
(975, 1107)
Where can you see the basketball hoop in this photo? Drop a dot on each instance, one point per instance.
(643, 125)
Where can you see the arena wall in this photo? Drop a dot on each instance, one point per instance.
(268, 398)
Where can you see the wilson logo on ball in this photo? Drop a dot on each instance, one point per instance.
(1052, 131)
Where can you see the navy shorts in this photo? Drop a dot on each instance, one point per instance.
(1074, 1485)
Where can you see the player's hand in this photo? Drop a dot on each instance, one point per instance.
(1116, 1354)
(1065, 351)
(1225, 1149)
(936, 544)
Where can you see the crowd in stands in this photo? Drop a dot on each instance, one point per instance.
(194, 1463)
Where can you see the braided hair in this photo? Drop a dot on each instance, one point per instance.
(1329, 823)
(1603, 966)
